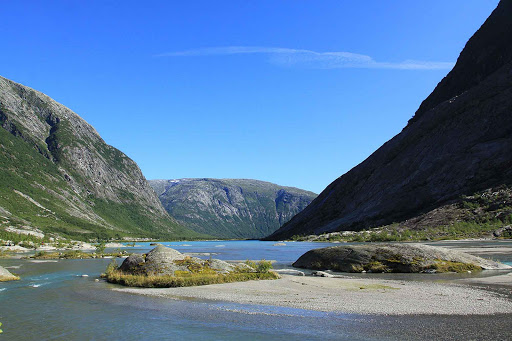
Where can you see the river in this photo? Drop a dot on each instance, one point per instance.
(52, 301)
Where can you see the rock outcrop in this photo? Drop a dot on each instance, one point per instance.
(60, 176)
(5, 275)
(393, 258)
(165, 261)
(458, 143)
(231, 208)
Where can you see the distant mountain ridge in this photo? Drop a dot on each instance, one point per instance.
(58, 175)
(231, 208)
(458, 143)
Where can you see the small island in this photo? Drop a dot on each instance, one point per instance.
(164, 267)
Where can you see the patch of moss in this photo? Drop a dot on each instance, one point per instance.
(448, 266)
(376, 266)
(8, 279)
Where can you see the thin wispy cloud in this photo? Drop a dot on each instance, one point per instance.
(312, 59)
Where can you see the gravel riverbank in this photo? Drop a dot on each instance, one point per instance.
(347, 295)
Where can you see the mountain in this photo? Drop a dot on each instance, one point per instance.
(231, 208)
(459, 143)
(59, 176)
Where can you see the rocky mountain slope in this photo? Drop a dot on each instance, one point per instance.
(458, 143)
(231, 208)
(58, 175)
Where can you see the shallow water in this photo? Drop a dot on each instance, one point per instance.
(240, 249)
(53, 302)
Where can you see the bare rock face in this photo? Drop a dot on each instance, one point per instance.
(59, 172)
(162, 261)
(231, 208)
(5, 275)
(221, 266)
(389, 258)
(133, 264)
(458, 143)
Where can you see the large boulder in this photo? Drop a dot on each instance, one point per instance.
(133, 264)
(392, 258)
(159, 261)
(220, 266)
(166, 261)
(5, 275)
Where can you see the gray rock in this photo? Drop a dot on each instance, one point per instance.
(245, 267)
(387, 258)
(133, 264)
(5, 275)
(290, 272)
(162, 261)
(221, 266)
(322, 274)
(504, 230)
(165, 261)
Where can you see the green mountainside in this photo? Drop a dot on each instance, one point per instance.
(59, 177)
(231, 208)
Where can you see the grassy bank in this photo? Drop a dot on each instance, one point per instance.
(118, 277)
(200, 276)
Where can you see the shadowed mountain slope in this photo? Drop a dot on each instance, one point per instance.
(458, 143)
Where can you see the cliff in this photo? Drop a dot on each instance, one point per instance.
(458, 143)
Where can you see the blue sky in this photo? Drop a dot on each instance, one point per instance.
(292, 92)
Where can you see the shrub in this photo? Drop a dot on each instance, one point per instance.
(263, 266)
(100, 248)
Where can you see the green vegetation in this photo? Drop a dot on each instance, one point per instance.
(395, 233)
(17, 238)
(100, 248)
(439, 266)
(447, 266)
(198, 275)
(5, 254)
(260, 266)
(473, 216)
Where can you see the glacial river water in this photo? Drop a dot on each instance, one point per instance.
(53, 301)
